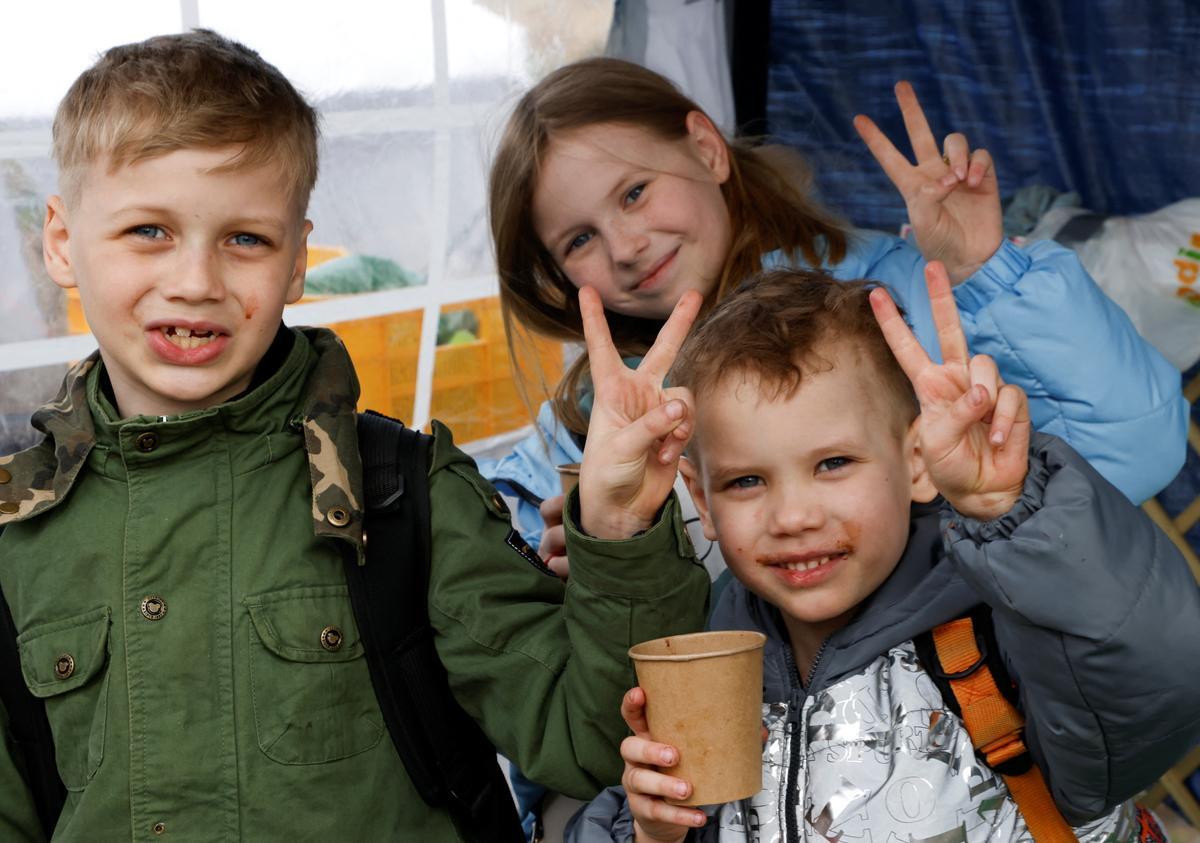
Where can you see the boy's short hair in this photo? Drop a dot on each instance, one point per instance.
(773, 330)
(190, 90)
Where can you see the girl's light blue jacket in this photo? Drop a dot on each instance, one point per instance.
(1091, 379)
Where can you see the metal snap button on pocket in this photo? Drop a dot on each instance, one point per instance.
(64, 666)
(331, 638)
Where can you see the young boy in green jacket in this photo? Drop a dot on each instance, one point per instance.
(172, 552)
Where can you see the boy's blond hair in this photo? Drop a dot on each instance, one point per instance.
(191, 90)
(777, 328)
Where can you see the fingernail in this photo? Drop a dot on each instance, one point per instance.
(961, 173)
(681, 789)
(997, 438)
(674, 409)
(668, 757)
(949, 179)
(699, 820)
(976, 396)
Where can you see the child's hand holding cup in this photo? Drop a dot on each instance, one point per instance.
(698, 713)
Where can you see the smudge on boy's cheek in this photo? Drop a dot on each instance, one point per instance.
(853, 532)
(251, 307)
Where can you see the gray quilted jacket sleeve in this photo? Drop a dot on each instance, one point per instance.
(1098, 616)
(607, 819)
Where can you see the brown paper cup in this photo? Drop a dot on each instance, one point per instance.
(704, 697)
(569, 475)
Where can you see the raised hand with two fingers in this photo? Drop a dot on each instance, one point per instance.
(974, 428)
(638, 428)
(951, 192)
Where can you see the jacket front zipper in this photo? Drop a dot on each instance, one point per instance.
(797, 740)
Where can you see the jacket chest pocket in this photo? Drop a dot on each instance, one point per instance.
(63, 663)
(313, 698)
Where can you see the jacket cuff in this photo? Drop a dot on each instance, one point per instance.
(998, 275)
(644, 566)
(1043, 464)
(606, 819)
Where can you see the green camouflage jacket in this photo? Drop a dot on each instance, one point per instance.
(174, 580)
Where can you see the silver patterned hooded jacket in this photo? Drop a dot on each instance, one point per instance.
(1098, 620)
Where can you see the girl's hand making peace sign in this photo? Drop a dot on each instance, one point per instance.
(637, 430)
(974, 428)
(952, 195)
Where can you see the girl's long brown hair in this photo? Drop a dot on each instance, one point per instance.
(767, 194)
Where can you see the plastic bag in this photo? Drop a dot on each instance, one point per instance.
(358, 274)
(1149, 265)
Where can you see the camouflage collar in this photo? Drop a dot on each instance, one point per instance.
(330, 425)
(35, 480)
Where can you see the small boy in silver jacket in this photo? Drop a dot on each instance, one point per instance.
(824, 438)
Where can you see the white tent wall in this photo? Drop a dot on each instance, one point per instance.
(412, 96)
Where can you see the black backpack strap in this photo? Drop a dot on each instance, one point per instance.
(447, 756)
(28, 728)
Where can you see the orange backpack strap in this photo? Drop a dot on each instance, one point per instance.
(996, 728)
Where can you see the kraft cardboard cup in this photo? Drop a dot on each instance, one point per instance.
(704, 697)
(569, 475)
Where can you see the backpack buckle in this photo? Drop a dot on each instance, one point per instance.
(980, 645)
(1008, 755)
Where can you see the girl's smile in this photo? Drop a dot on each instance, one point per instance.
(657, 272)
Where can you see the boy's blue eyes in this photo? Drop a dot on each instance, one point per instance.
(747, 482)
(155, 232)
(833, 463)
(633, 194)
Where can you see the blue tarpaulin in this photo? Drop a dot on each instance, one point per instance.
(1100, 97)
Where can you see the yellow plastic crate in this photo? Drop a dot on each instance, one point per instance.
(76, 321)
(474, 389)
(317, 255)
